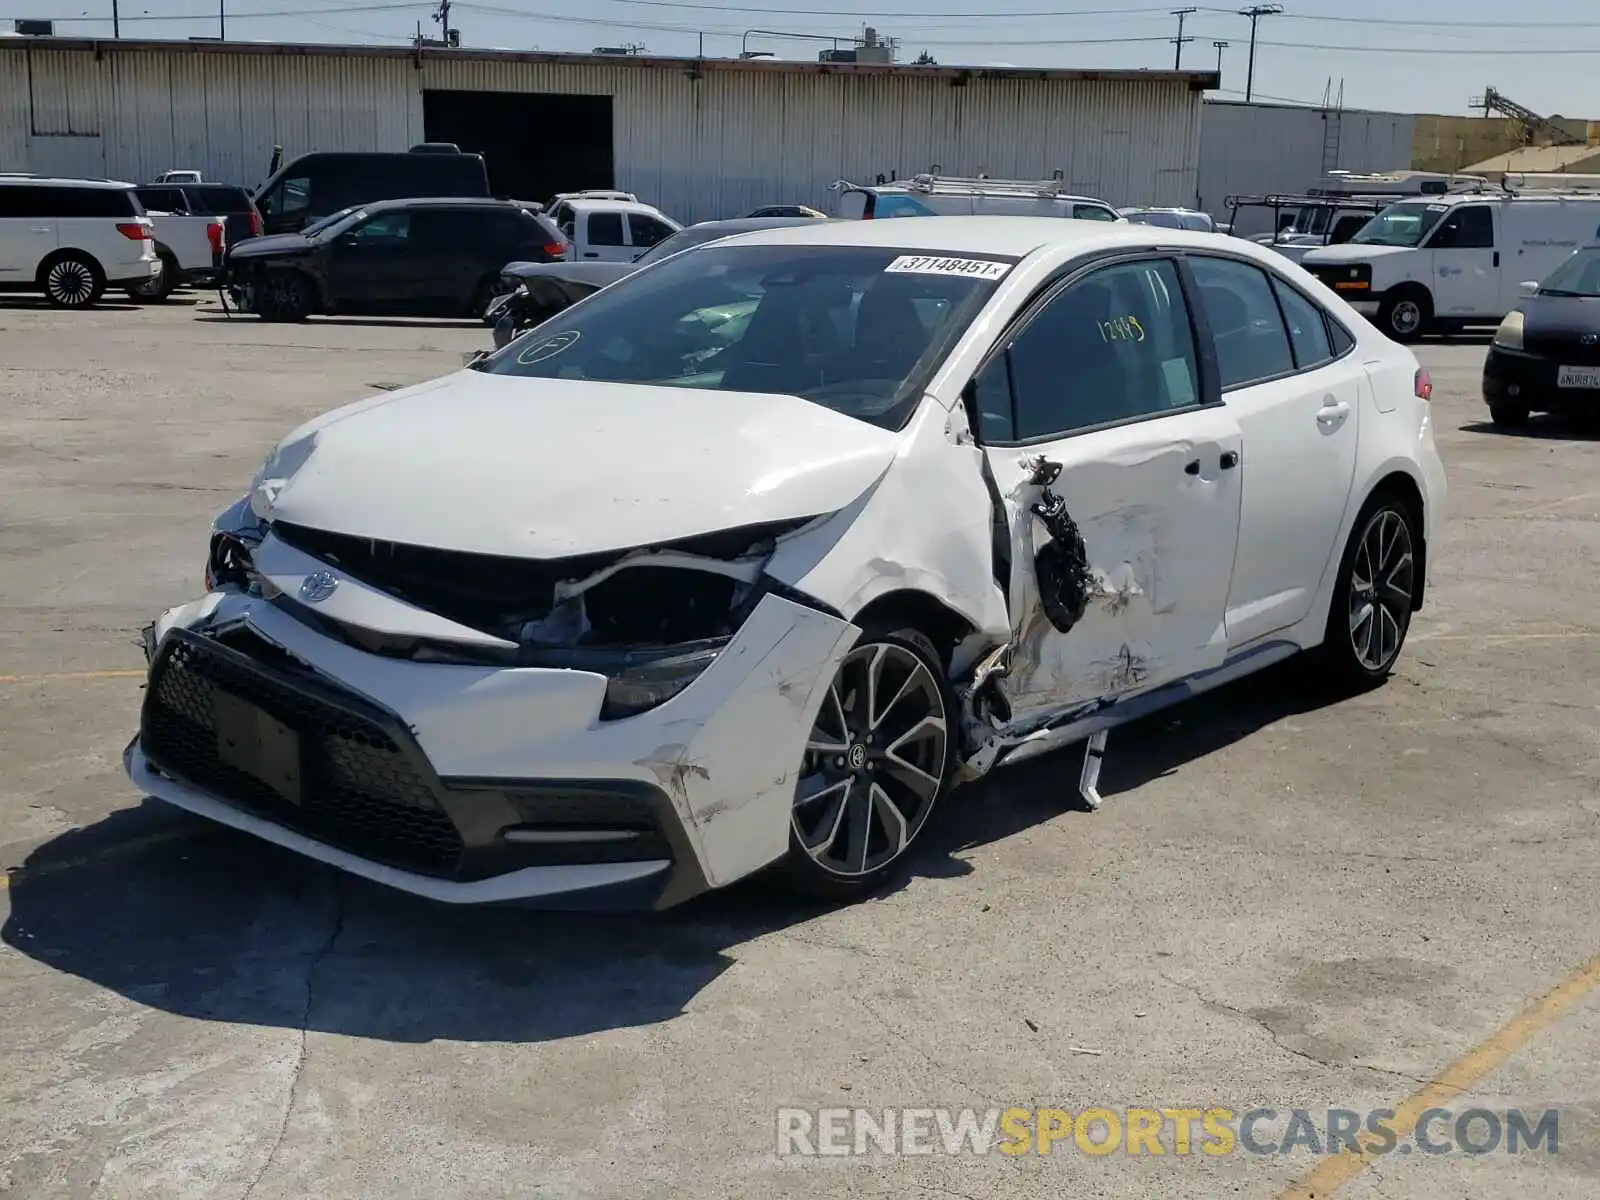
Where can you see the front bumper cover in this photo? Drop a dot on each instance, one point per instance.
(481, 784)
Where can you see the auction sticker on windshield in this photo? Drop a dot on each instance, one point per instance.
(925, 264)
(549, 348)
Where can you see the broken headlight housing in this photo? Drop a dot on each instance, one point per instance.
(230, 559)
(639, 687)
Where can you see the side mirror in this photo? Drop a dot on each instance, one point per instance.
(473, 357)
(1529, 287)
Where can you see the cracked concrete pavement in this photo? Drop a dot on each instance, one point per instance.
(1281, 904)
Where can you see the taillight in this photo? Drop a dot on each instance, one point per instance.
(554, 249)
(255, 224)
(1424, 384)
(215, 231)
(135, 232)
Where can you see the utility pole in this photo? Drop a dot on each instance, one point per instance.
(116, 20)
(1255, 12)
(222, 20)
(442, 15)
(1177, 59)
(1221, 46)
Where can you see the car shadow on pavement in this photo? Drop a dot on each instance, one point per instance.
(1547, 427)
(182, 916)
(215, 316)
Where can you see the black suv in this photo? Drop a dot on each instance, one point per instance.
(436, 257)
(206, 200)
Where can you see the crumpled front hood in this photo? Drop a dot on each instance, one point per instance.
(546, 468)
(275, 243)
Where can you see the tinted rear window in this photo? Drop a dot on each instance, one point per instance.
(219, 201)
(43, 200)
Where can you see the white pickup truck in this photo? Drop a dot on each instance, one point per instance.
(190, 249)
(605, 230)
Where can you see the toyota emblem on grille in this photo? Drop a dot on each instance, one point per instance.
(1590, 339)
(318, 586)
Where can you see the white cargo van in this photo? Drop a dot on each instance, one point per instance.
(1435, 263)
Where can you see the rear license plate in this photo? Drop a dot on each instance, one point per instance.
(251, 741)
(1579, 377)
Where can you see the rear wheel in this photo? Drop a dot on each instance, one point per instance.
(159, 288)
(878, 759)
(1373, 596)
(1511, 416)
(72, 281)
(283, 296)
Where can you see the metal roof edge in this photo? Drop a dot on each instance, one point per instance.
(957, 74)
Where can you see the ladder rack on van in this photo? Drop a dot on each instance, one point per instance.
(1517, 182)
(984, 185)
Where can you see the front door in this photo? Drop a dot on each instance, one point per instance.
(601, 237)
(1120, 480)
(1298, 403)
(1466, 263)
(374, 267)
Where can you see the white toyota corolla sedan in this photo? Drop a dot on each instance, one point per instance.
(746, 560)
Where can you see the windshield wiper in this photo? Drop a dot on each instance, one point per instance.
(1564, 292)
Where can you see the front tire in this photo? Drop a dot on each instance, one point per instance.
(1373, 596)
(283, 296)
(1405, 315)
(72, 281)
(879, 757)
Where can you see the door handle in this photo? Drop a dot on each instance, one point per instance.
(1229, 460)
(38, 229)
(1333, 411)
(1497, 258)
(591, 254)
(1192, 467)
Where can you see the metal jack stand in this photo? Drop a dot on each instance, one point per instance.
(1089, 777)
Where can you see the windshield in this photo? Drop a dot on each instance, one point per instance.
(681, 240)
(1400, 225)
(853, 328)
(325, 224)
(1579, 275)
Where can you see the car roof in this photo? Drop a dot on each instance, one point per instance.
(744, 224)
(435, 202)
(589, 204)
(1012, 236)
(54, 181)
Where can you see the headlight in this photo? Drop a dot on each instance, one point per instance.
(235, 534)
(637, 689)
(1509, 334)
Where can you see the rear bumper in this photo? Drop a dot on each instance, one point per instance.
(129, 274)
(1520, 379)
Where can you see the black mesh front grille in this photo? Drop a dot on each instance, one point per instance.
(358, 789)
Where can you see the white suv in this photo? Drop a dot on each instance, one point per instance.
(73, 238)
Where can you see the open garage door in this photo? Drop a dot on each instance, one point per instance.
(534, 143)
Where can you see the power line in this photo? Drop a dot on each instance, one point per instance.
(255, 16)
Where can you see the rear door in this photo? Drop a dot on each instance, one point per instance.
(1297, 403)
(27, 232)
(454, 251)
(1118, 469)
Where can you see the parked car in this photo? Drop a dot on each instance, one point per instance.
(190, 248)
(318, 185)
(748, 559)
(183, 176)
(615, 231)
(1171, 218)
(428, 257)
(789, 210)
(73, 238)
(232, 204)
(536, 291)
(1545, 356)
(935, 195)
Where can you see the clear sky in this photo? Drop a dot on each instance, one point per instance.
(1428, 56)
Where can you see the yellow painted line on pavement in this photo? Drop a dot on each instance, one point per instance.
(1333, 1173)
(28, 874)
(61, 676)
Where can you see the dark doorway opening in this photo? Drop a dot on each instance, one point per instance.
(534, 144)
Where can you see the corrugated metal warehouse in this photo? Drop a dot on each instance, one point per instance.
(1253, 149)
(702, 138)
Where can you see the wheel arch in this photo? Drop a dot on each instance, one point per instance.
(61, 252)
(919, 610)
(1401, 485)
